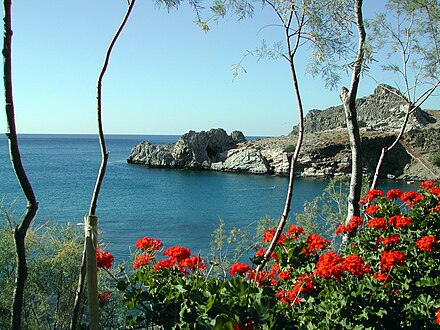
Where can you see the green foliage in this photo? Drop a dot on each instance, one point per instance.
(435, 159)
(386, 276)
(54, 259)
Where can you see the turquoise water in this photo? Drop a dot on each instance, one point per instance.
(178, 207)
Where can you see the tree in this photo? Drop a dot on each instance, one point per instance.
(410, 33)
(14, 151)
(324, 27)
(348, 97)
(88, 265)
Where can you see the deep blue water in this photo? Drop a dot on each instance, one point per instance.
(178, 207)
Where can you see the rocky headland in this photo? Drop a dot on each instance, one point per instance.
(326, 151)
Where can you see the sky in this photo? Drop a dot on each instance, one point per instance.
(165, 75)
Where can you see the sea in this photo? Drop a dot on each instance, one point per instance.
(179, 207)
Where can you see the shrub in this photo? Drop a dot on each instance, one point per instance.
(435, 159)
(386, 276)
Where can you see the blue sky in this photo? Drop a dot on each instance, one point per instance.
(165, 76)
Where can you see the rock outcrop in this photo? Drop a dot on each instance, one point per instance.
(326, 154)
(385, 109)
(194, 150)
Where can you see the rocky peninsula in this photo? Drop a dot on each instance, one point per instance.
(326, 151)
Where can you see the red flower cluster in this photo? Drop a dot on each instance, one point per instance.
(437, 316)
(180, 258)
(410, 198)
(355, 265)
(239, 268)
(269, 235)
(382, 277)
(352, 225)
(435, 191)
(427, 184)
(148, 244)
(104, 297)
(391, 239)
(391, 258)
(262, 251)
(377, 223)
(296, 230)
(329, 265)
(104, 259)
(314, 243)
(372, 209)
(193, 263)
(394, 194)
(370, 196)
(426, 243)
(398, 221)
(177, 253)
(304, 283)
(142, 260)
(163, 264)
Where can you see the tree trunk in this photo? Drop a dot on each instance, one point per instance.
(88, 265)
(294, 159)
(348, 98)
(386, 149)
(14, 151)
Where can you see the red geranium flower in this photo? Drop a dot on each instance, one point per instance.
(437, 316)
(304, 283)
(142, 260)
(269, 234)
(398, 221)
(370, 196)
(435, 191)
(177, 253)
(329, 265)
(239, 268)
(355, 265)
(296, 230)
(104, 297)
(377, 223)
(382, 277)
(148, 244)
(394, 194)
(427, 184)
(315, 242)
(193, 263)
(262, 251)
(164, 264)
(354, 223)
(389, 259)
(391, 239)
(410, 198)
(372, 209)
(104, 259)
(426, 243)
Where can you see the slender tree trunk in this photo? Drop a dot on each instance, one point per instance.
(88, 266)
(14, 151)
(348, 98)
(294, 158)
(386, 149)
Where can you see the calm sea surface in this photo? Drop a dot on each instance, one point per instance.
(178, 207)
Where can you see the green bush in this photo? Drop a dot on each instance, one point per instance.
(54, 259)
(435, 159)
(386, 276)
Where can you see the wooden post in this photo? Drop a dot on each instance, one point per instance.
(91, 236)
